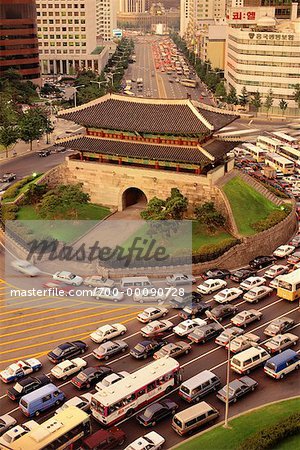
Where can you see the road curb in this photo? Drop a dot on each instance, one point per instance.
(232, 418)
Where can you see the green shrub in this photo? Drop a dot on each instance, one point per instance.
(9, 212)
(14, 190)
(275, 191)
(273, 219)
(213, 251)
(269, 437)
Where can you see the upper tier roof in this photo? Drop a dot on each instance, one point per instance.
(159, 116)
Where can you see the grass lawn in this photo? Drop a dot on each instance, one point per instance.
(248, 205)
(244, 426)
(23, 188)
(63, 230)
(289, 444)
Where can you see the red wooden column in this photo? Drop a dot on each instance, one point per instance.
(120, 161)
(156, 165)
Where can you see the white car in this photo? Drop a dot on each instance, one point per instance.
(111, 294)
(111, 379)
(243, 342)
(98, 281)
(257, 293)
(144, 297)
(150, 314)
(68, 278)
(156, 328)
(20, 369)
(80, 401)
(6, 423)
(25, 267)
(180, 279)
(66, 368)
(283, 250)
(276, 270)
(151, 441)
(107, 332)
(274, 283)
(227, 295)
(252, 282)
(211, 285)
(187, 326)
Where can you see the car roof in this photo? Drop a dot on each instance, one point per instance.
(281, 357)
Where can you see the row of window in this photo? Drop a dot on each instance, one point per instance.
(263, 53)
(63, 44)
(295, 74)
(262, 63)
(20, 26)
(62, 29)
(60, 5)
(63, 36)
(18, 36)
(60, 14)
(58, 51)
(18, 47)
(267, 84)
(278, 42)
(63, 21)
(14, 57)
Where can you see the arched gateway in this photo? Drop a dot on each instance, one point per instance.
(133, 196)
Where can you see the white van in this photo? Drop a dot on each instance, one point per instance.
(135, 282)
(249, 359)
(194, 417)
(201, 384)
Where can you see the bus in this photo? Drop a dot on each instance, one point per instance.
(289, 286)
(285, 138)
(257, 152)
(113, 403)
(291, 153)
(57, 433)
(286, 166)
(189, 83)
(268, 143)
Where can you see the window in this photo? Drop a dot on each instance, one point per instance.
(46, 398)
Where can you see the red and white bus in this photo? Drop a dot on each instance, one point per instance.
(123, 398)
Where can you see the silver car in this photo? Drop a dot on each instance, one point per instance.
(280, 342)
(180, 279)
(98, 281)
(6, 422)
(257, 293)
(110, 348)
(25, 267)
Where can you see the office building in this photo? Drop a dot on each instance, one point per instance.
(132, 6)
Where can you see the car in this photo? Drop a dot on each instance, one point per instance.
(110, 348)
(82, 402)
(243, 342)
(227, 295)
(222, 311)
(283, 250)
(257, 293)
(25, 267)
(98, 281)
(295, 241)
(44, 152)
(145, 295)
(66, 368)
(156, 328)
(147, 348)
(243, 318)
(29, 384)
(151, 441)
(229, 334)
(194, 310)
(20, 369)
(274, 283)
(12, 434)
(57, 288)
(66, 351)
(179, 279)
(68, 278)
(111, 294)
(237, 388)
(107, 332)
(6, 423)
(173, 350)
(280, 342)
(276, 270)
(90, 376)
(111, 379)
(108, 439)
(211, 285)
(220, 274)
(151, 313)
(202, 334)
(156, 412)
(294, 258)
(186, 299)
(252, 282)
(187, 326)
(8, 177)
(241, 274)
(261, 261)
(279, 326)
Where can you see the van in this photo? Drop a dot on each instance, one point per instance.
(135, 282)
(194, 417)
(40, 400)
(280, 365)
(198, 386)
(249, 359)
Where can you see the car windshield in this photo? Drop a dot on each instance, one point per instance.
(148, 413)
(81, 376)
(247, 282)
(222, 295)
(240, 317)
(18, 387)
(10, 371)
(57, 351)
(205, 284)
(139, 348)
(273, 342)
(252, 294)
(231, 391)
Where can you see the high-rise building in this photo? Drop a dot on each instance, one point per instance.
(283, 8)
(73, 34)
(132, 6)
(19, 41)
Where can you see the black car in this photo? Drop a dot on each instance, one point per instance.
(27, 385)
(216, 273)
(194, 310)
(200, 335)
(221, 311)
(147, 348)
(241, 274)
(66, 351)
(237, 388)
(261, 261)
(156, 412)
(45, 152)
(8, 177)
(187, 299)
(90, 376)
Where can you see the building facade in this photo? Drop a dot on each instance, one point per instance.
(263, 57)
(132, 6)
(19, 40)
(106, 19)
(283, 8)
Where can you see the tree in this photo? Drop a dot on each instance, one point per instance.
(297, 94)
(244, 97)
(256, 101)
(232, 97)
(220, 91)
(63, 202)
(269, 101)
(32, 125)
(35, 193)
(9, 135)
(207, 215)
(155, 210)
(176, 204)
(283, 105)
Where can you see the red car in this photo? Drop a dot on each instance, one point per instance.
(104, 439)
(58, 288)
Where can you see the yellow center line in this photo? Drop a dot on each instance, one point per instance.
(34, 314)
(55, 323)
(55, 332)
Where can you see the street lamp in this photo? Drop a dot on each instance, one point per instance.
(75, 93)
(99, 83)
(210, 316)
(111, 76)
